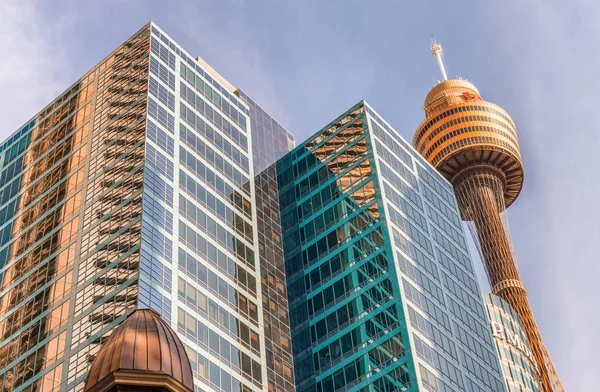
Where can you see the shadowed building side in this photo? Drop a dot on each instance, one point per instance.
(474, 145)
(270, 141)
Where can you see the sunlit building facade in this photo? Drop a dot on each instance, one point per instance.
(516, 358)
(135, 189)
(381, 287)
(71, 219)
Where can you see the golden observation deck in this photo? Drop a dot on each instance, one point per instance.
(461, 130)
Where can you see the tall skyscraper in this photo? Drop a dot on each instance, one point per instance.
(474, 145)
(270, 141)
(135, 189)
(514, 351)
(382, 291)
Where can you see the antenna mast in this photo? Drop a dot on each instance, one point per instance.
(436, 50)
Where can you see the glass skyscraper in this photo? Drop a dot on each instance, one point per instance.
(516, 358)
(71, 217)
(270, 141)
(381, 287)
(136, 188)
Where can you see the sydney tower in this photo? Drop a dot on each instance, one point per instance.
(473, 143)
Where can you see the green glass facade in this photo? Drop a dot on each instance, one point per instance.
(381, 287)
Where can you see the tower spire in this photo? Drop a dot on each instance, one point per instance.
(436, 50)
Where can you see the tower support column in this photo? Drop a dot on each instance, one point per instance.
(480, 193)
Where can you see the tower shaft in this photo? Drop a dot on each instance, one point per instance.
(480, 194)
(480, 190)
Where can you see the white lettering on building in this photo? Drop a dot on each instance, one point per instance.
(501, 332)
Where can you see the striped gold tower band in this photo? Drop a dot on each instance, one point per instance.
(498, 287)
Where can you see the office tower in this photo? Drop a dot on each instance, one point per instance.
(134, 189)
(270, 141)
(516, 358)
(143, 353)
(473, 144)
(71, 223)
(381, 288)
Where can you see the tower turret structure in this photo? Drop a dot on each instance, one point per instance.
(474, 144)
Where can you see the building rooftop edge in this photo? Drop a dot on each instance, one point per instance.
(329, 124)
(34, 116)
(148, 25)
(414, 151)
(239, 89)
(203, 64)
(210, 70)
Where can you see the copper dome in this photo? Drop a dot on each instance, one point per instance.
(142, 351)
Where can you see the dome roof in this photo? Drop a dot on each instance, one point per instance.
(142, 351)
(447, 93)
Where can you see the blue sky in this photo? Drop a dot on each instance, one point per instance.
(306, 62)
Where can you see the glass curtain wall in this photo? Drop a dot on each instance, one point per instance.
(270, 141)
(347, 322)
(71, 216)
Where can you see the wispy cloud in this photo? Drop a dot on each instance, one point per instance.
(34, 62)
